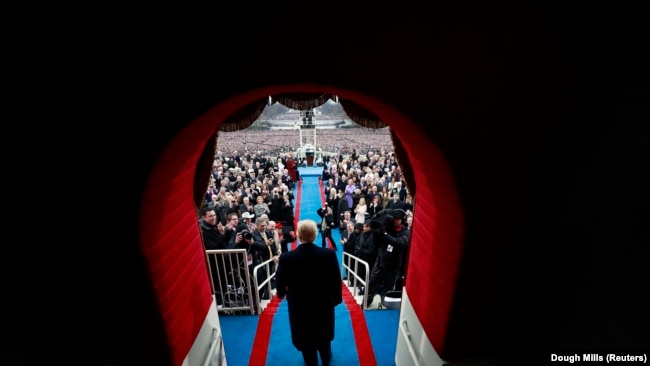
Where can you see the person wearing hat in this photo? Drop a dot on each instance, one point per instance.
(392, 240)
(366, 248)
(246, 222)
(349, 239)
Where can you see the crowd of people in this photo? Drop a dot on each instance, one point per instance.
(373, 211)
(251, 192)
(275, 142)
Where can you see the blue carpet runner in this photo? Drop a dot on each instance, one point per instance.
(239, 332)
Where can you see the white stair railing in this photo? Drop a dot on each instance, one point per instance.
(351, 264)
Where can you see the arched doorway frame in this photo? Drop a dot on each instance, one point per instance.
(171, 243)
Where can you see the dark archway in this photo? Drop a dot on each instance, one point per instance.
(172, 244)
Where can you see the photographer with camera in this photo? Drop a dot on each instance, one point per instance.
(327, 220)
(392, 239)
(255, 251)
(346, 218)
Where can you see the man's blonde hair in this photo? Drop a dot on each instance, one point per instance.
(307, 231)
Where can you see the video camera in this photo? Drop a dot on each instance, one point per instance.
(384, 219)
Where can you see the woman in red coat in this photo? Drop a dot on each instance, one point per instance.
(291, 166)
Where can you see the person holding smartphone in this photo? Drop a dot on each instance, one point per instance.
(327, 220)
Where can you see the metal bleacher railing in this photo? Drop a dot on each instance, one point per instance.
(237, 290)
(231, 281)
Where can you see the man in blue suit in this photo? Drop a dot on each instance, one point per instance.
(310, 279)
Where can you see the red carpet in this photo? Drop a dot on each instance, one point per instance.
(263, 334)
(360, 330)
(259, 353)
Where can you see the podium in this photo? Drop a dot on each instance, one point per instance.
(309, 155)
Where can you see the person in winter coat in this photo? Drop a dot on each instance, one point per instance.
(392, 240)
(214, 237)
(327, 220)
(310, 278)
(366, 248)
(349, 239)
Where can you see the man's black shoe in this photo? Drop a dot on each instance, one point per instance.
(327, 359)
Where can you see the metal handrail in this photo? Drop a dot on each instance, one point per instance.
(350, 262)
(267, 281)
(364, 282)
(403, 326)
(215, 344)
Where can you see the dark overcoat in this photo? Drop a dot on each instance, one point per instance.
(310, 278)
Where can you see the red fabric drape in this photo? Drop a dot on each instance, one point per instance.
(302, 101)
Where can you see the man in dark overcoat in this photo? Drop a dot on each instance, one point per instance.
(214, 237)
(327, 221)
(392, 241)
(310, 278)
